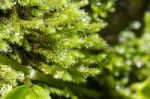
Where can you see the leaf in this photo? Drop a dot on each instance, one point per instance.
(18, 93)
(27, 92)
(145, 90)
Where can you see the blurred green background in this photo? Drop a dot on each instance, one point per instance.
(127, 68)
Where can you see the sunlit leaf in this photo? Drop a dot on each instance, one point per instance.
(27, 92)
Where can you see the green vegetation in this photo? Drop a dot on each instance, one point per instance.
(61, 49)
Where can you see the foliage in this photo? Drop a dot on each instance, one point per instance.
(52, 43)
(101, 8)
(127, 66)
(129, 63)
(52, 49)
(27, 92)
(9, 78)
(97, 8)
(141, 90)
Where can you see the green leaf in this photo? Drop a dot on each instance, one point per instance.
(144, 91)
(27, 92)
(18, 93)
